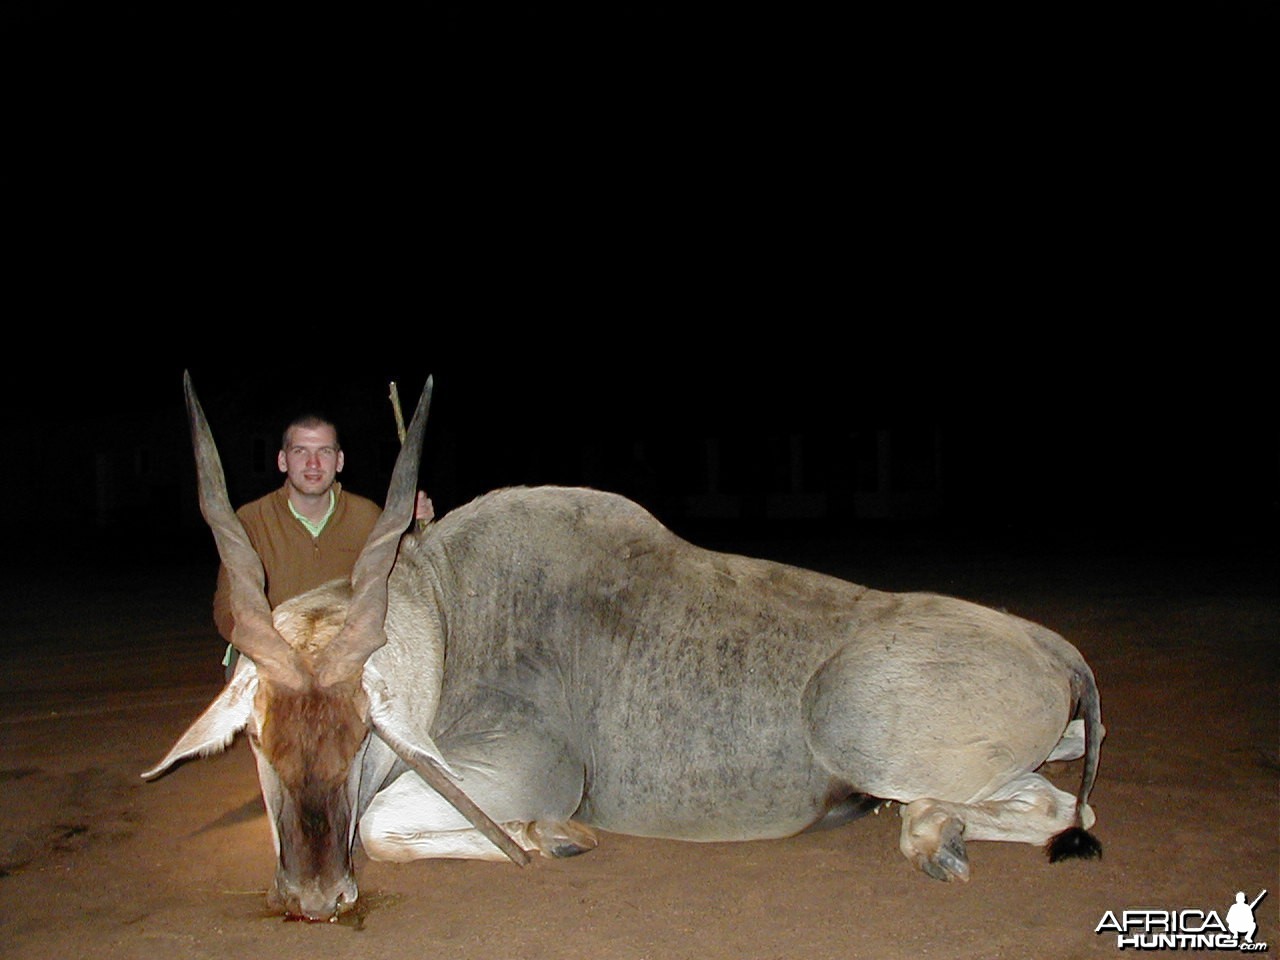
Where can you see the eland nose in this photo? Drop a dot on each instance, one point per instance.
(318, 904)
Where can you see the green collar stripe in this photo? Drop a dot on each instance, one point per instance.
(312, 527)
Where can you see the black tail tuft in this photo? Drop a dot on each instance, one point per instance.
(1074, 843)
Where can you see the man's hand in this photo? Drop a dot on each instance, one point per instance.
(423, 511)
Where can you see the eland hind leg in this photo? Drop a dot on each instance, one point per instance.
(1028, 810)
(946, 713)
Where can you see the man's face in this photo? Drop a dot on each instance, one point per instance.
(311, 459)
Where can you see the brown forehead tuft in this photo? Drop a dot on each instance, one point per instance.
(311, 736)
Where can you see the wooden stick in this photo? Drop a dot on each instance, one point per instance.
(395, 406)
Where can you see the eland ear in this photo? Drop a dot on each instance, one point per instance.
(214, 729)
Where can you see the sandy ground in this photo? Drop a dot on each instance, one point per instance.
(104, 669)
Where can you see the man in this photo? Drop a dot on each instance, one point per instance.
(308, 532)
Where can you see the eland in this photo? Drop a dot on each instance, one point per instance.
(546, 662)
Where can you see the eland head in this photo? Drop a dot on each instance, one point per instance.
(304, 693)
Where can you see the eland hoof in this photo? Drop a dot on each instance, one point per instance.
(562, 839)
(933, 840)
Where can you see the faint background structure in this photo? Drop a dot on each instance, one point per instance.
(98, 454)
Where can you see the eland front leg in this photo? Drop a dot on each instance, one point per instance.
(526, 783)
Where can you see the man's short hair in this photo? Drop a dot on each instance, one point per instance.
(310, 421)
